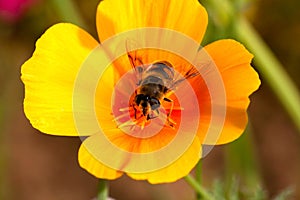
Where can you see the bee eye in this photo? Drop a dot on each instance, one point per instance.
(154, 103)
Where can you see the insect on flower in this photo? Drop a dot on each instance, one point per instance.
(142, 110)
(156, 81)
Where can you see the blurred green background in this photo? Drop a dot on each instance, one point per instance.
(262, 164)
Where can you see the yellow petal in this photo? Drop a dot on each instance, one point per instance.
(49, 77)
(185, 16)
(94, 166)
(179, 169)
(240, 80)
(106, 155)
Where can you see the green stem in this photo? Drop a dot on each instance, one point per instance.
(68, 12)
(102, 190)
(198, 188)
(271, 69)
(198, 171)
(240, 162)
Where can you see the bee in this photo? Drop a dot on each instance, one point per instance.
(153, 88)
(155, 82)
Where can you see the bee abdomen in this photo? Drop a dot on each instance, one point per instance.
(162, 69)
(152, 80)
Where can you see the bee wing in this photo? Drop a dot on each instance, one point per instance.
(135, 58)
(191, 73)
(188, 73)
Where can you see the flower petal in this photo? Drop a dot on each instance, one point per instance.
(95, 155)
(240, 80)
(176, 170)
(187, 17)
(93, 166)
(49, 77)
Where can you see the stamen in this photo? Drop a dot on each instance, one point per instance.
(120, 117)
(143, 125)
(178, 108)
(124, 109)
(128, 123)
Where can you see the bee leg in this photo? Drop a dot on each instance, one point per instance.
(172, 105)
(157, 112)
(135, 110)
(170, 121)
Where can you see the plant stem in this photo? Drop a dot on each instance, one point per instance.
(198, 188)
(198, 171)
(68, 12)
(240, 162)
(102, 190)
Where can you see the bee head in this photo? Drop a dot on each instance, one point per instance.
(147, 103)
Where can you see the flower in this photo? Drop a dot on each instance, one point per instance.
(74, 85)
